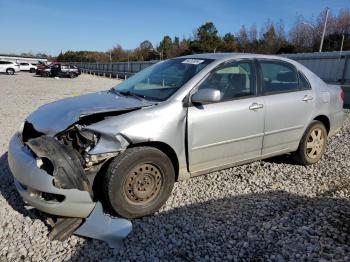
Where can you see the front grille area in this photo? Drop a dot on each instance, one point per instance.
(29, 132)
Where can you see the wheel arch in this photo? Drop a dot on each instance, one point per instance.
(166, 149)
(324, 120)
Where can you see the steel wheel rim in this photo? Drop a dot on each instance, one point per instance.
(315, 143)
(143, 183)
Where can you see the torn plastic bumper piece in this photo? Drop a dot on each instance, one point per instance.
(66, 168)
(104, 227)
(97, 225)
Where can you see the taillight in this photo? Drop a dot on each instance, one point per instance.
(342, 95)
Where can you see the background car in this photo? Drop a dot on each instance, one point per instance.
(27, 67)
(63, 70)
(9, 67)
(44, 69)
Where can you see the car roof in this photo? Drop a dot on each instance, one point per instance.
(228, 56)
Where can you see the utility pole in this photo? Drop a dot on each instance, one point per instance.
(341, 45)
(324, 30)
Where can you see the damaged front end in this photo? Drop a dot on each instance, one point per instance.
(55, 159)
(61, 162)
(56, 176)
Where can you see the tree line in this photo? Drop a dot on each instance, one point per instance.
(272, 38)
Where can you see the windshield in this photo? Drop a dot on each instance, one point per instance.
(160, 81)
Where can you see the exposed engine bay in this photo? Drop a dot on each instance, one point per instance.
(81, 142)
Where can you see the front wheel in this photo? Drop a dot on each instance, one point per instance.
(312, 144)
(32, 70)
(139, 181)
(72, 75)
(10, 71)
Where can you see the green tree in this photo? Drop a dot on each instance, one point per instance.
(166, 46)
(206, 39)
(228, 43)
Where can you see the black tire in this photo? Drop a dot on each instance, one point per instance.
(10, 71)
(72, 75)
(304, 155)
(32, 70)
(138, 182)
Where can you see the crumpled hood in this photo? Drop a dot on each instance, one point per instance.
(55, 117)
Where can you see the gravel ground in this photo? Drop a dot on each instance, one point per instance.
(267, 210)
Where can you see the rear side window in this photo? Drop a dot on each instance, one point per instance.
(278, 78)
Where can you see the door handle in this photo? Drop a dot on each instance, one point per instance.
(255, 106)
(307, 98)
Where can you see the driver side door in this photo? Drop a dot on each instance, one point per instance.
(231, 130)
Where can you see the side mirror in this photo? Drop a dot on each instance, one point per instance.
(207, 95)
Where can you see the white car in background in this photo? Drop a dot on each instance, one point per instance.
(27, 67)
(9, 67)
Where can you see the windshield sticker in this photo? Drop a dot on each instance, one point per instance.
(192, 61)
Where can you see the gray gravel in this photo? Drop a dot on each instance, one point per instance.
(266, 210)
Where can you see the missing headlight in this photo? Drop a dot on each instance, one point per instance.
(78, 138)
(45, 164)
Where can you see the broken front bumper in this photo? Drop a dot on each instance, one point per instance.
(34, 185)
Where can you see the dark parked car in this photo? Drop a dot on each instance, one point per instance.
(43, 70)
(63, 70)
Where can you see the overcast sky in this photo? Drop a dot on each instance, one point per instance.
(51, 26)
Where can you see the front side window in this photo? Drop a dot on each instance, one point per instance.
(234, 80)
(160, 81)
(278, 78)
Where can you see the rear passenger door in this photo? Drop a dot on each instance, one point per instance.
(289, 102)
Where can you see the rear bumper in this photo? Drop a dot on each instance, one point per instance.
(336, 122)
(33, 183)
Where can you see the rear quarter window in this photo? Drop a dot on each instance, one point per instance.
(303, 82)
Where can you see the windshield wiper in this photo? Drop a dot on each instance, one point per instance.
(128, 93)
(113, 90)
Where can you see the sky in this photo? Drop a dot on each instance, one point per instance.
(52, 26)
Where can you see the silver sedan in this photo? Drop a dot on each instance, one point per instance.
(174, 120)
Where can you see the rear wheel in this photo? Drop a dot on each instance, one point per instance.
(139, 181)
(10, 71)
(312, 144)
(32, 70)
